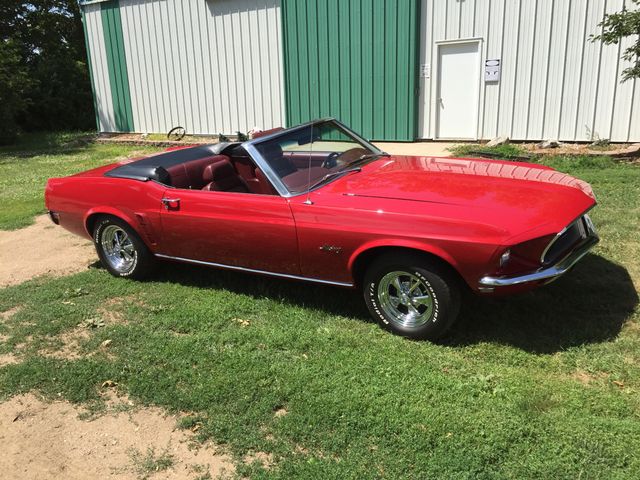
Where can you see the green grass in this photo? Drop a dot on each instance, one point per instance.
(541, 385)
(147, 464)
(25, 168)
(507, 151)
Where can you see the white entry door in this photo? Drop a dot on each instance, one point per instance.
(458, 90)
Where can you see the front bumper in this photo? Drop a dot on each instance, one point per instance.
(547, 274)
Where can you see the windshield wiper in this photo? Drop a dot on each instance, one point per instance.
(369, 156)
(334, 174)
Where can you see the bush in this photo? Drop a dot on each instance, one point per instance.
(14, 80)
(44, 80)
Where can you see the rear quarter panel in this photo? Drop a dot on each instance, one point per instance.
(77, 198)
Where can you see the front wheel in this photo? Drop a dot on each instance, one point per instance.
(411, 296)
(120, 249)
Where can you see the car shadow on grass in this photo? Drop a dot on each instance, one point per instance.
(588, 305)
(330, 300)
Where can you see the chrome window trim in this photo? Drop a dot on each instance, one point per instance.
(271, 175)
(253, 270)
(267, 170)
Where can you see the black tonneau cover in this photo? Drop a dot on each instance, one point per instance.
(154, 167)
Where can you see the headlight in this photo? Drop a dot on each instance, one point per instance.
(531, 250)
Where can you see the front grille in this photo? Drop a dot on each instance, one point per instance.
(567, 240)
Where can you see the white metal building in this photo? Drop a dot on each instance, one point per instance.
(210, 66)
(554, 82)
(392, 69)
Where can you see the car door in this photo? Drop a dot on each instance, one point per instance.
(230, 228)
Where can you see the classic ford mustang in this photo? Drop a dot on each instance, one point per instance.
(319, 203)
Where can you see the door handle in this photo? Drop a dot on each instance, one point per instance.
(171, 203)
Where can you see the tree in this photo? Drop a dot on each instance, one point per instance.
(615, 27)
(14, 81)
(48, 40)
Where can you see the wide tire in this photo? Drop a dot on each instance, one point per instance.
(412, 296)
(122, 252)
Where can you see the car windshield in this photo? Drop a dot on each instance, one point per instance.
(314, 154)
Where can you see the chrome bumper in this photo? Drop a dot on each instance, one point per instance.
(488, 284)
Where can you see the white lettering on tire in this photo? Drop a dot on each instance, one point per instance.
(372, 289)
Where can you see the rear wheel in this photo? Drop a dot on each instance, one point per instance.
(120, 249)
(411, 296)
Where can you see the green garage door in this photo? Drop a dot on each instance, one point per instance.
(355, 60)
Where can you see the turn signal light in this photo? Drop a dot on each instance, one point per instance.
(524, 256)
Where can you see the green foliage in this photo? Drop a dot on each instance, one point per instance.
(14, 81)
(507, 151)
(149, 463)
(25, 168)
(42, 54)
(617, 26)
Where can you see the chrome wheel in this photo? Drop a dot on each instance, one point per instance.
(118, 249)
(406, 299)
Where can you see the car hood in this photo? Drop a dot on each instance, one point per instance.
(514, 196)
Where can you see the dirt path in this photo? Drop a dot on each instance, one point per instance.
(42, 248)
(48, 441)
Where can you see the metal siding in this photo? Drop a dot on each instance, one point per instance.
(574, 66)
(504, 120)
(90, 68)
(555, 77)
(378, 72)
(524, 65)
(209, 66)
(137, 91)
(367, 66)
(634, 116)
(494, 30)
(356, 73)
(555, 83)
(624, 100)
(95, 39)
(344, 55)
(117, 65)
(424, 84)
(355, 60)
(467, 14)
(608, 82)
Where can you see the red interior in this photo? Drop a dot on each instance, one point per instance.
(222, 177)
(188, 175)
(231, 174)
(238, 173)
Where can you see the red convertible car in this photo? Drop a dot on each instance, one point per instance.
(319, 203)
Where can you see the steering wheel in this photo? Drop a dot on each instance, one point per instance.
(331, 161)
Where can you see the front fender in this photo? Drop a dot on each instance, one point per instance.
(403, 243)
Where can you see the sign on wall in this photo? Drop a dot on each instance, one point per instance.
(492, 70)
